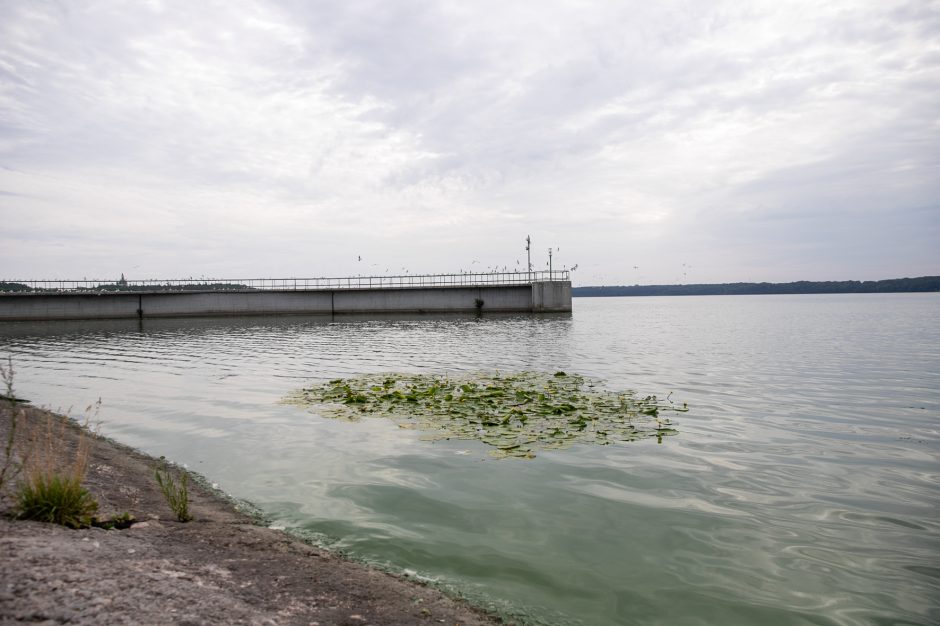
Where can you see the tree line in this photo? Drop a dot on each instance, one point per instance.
(893, 285)
(124, 287)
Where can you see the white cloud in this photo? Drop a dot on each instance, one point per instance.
(283, 138)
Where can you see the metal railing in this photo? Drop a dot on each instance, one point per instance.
(284, 284)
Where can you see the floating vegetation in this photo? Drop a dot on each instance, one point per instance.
(517, 413)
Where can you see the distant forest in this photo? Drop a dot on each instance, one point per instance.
(894, 285)
(123, 286)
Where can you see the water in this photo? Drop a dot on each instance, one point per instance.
(803, 487)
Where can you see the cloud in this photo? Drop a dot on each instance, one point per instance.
(284, 137)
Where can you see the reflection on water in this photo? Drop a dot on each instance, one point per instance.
(802, 488)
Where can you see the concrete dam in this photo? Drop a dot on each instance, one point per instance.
(507, 292)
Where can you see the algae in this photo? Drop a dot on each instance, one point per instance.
(515, 413)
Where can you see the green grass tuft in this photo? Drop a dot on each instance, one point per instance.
(51, 472)
(54, 498)
(176, 494)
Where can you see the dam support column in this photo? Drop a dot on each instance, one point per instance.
(548, 296)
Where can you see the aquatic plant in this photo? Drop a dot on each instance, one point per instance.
(516, 413)
(176, 494)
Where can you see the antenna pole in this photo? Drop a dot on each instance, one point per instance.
(528, 252)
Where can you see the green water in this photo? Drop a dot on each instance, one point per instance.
(803, 486)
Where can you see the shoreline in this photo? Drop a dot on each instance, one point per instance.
(221, 568)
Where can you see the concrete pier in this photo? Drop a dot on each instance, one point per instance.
(536, 296)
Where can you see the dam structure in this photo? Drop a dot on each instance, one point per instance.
(502, 292)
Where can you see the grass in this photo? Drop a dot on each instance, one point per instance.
(46, 471)
(50, 488)
(119, 522)
(9, 469)
(176, 494)
(56, 498)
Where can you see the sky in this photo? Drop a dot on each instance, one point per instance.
(677, 141)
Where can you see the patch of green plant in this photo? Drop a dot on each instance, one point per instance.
(55, 498)
(51, 471)
(516, 414)
(115, 522)
(9, 469)
(175, 493)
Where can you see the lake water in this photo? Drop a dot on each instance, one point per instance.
(803, 486)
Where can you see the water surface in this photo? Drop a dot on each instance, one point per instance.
(803, 488)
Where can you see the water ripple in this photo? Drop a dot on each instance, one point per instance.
(803, 487)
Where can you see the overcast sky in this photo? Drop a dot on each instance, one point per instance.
(647, 142)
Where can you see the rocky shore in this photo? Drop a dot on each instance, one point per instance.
(221, 568)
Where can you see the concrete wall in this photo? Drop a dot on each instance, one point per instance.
(67, 306)
(216, 303)
(551, 296)
(433, 300)
(554, 296)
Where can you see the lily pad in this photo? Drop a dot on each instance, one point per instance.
(517, 414)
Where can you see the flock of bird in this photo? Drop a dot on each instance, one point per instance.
(518, 268)
(493, 269)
